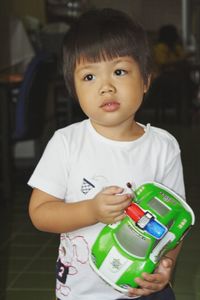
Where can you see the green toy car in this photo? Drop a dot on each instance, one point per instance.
(155, 222)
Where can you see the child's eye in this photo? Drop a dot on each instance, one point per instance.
(89, 77)
(120, 72)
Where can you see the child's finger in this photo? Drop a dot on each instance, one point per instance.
(119, 217)
(112, 190)
(167, 262)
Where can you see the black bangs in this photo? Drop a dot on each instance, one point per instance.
(107, 49)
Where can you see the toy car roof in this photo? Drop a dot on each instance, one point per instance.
(162, 201)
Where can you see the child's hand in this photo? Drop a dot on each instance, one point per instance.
(155, 282)
(108, 206)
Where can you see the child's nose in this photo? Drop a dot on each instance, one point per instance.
(107, 87)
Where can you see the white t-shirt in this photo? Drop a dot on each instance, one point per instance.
(76, 164)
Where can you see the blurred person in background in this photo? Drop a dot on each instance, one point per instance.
(171, 77)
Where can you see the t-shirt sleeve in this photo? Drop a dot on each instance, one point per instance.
(51, 173)
(173, 174)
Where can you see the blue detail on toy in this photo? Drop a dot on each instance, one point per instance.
(156, 229)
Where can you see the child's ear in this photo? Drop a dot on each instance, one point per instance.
(146, 86)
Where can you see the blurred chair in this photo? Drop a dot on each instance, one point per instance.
(28, 113)
(31, 102)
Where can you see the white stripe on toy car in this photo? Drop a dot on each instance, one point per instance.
(114, 265)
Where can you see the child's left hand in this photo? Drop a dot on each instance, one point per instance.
(151, 283)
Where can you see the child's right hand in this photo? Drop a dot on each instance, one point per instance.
(108, 205)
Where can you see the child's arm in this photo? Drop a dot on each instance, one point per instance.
(51, 214)
(155, 282)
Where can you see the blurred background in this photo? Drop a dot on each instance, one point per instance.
(34, 103)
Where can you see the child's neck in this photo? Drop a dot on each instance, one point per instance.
(128, 132)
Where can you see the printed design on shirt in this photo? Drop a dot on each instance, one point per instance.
(71, 251)
(61, 271)
(86, 186)
(94, 184)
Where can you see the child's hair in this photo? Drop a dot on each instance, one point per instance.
(104, 34)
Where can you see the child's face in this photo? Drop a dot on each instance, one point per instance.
(110, 92)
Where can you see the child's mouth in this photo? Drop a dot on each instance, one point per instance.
(110, 106)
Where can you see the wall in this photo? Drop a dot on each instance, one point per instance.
(151, 13)
(21, 8)
(33, 8)
(162, 11)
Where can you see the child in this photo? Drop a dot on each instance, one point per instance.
(79, 184)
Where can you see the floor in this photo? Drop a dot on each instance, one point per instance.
(27, 256)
